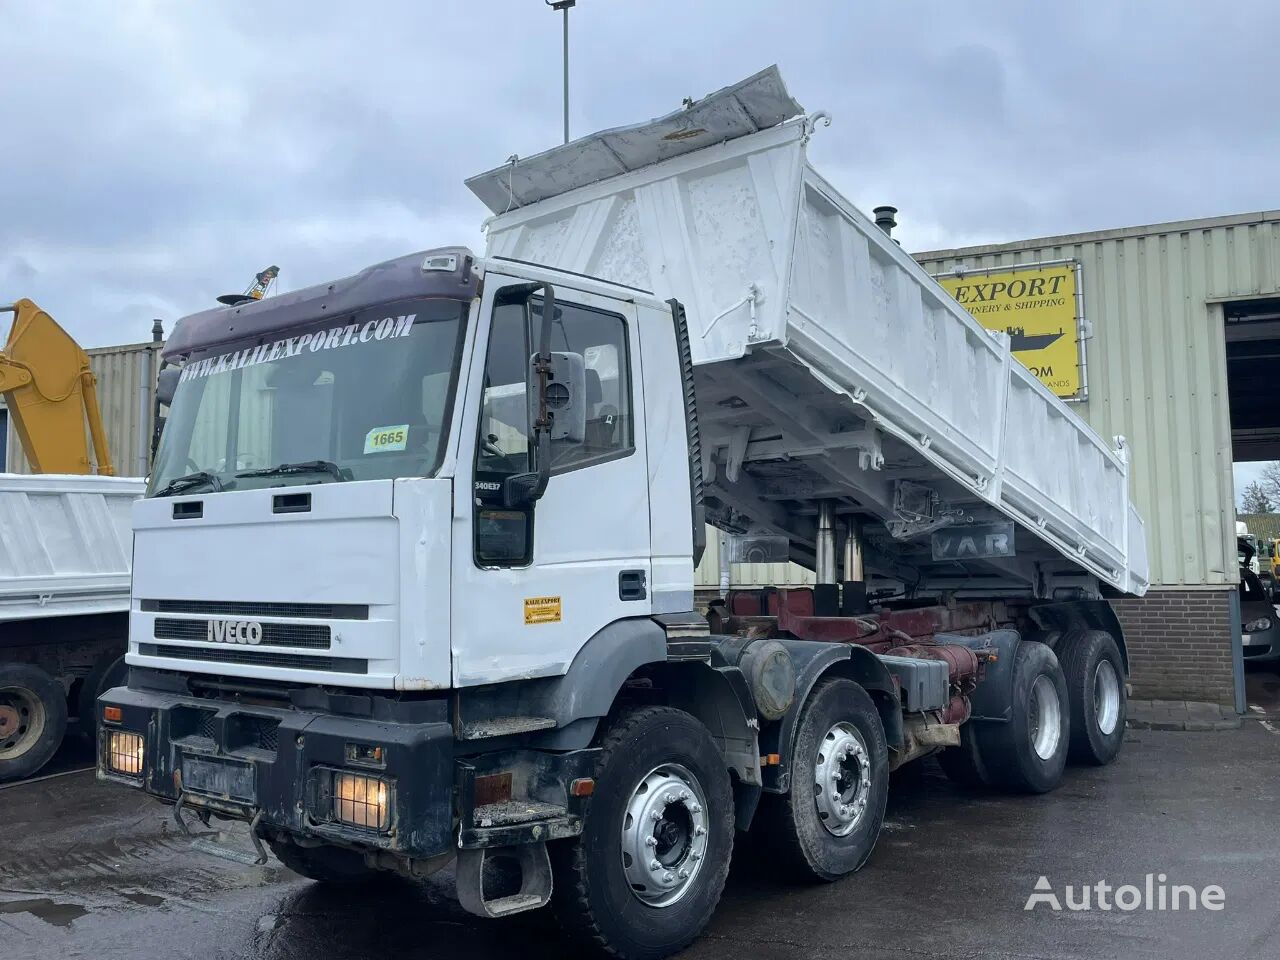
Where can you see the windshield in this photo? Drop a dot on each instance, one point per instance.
(362, 397)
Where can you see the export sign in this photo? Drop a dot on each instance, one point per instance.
(1036, 307)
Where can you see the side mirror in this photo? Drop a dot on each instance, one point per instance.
(167, 385)
(527, 488)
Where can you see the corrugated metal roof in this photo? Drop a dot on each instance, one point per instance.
(1157, 367)
(748, 106)
(1264, 526)
(1116, 233)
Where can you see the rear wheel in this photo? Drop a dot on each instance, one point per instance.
(1028, 753)
(648, 869)
(828, 824)
(1094, 673)
(324, 864)
(33, 718)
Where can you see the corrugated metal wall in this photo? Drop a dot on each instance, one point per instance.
(747, 574)
(126, 397)
(1156, 363)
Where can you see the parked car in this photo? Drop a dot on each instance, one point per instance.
(1259, 621)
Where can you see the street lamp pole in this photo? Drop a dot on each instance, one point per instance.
(564, 6)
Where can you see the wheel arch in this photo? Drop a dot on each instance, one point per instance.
(1082, 614)
(814, 662)
(719, 699)
(628, 662)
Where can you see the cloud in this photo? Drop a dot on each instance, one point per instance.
(159, 154)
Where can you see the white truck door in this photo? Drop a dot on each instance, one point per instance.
(532, 585)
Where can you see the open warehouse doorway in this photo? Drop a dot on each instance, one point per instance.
(1252, 334)
(1253, 377)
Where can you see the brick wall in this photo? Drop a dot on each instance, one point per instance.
(1179, 644)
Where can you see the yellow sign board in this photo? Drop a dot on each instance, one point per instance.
(1037, 307)
(541, 610)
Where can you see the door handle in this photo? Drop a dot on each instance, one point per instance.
(631, 585)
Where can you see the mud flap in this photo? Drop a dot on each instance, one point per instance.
(993, 699)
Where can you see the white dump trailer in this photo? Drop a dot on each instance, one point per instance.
(413, 581)
(829, 363)
(65, 549)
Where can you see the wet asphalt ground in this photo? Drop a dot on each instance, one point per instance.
(96, 871)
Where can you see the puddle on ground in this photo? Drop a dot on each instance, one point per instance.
(143, 899)
(58, 914)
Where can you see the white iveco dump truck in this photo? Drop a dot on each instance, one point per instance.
(413, 580)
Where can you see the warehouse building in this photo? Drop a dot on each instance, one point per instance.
(1179, 334)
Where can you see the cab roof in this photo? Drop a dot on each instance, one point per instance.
(445, 272)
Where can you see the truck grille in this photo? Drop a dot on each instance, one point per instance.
(231, 608)
(255, 657)
(313, 636)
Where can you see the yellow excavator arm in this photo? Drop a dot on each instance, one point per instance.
(50, 392)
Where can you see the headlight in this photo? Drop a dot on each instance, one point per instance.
(1257, 626)
(124, 753)
(361, 801)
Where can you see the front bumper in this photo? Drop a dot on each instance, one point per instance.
(277, 766)
(1263, 646)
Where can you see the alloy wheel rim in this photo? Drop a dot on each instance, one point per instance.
(1106, 697)
(664, 835)
(842, 779)
(1045, 717)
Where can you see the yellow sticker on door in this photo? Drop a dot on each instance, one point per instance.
(541, 610)
(383, 439)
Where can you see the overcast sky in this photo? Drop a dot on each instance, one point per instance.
(158, 154)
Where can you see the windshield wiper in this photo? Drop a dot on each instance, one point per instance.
(305, 466)
(180, 484)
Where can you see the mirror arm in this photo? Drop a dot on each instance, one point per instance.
(527, 488)
(542, 426)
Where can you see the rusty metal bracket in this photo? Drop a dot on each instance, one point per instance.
(257, 841)
(177, 814)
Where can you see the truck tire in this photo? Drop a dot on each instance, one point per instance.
(662, 797)
(110, 671)
(331, 865)
(964, 765)
(1028, 754)
(828, 824)
(33, 718)
(1094, 671)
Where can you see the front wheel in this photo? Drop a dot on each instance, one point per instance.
(828, 824)
(643, 878)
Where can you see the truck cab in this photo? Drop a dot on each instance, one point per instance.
(378, 429)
